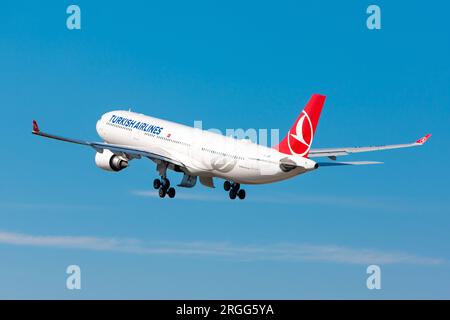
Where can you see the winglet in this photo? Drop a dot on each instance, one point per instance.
(35, 127)
(424, 139)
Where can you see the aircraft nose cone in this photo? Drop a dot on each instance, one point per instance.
(99, 128)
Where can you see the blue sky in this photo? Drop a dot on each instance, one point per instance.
(231, 65)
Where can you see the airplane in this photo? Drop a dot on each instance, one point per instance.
(205, 155)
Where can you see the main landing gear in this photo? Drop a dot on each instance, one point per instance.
(164, 187)
(234, 190)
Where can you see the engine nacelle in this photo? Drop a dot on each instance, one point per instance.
(109, 161)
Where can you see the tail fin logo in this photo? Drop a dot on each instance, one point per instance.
(301, 135)
(299, 138)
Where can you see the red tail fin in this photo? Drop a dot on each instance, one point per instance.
(299, 139)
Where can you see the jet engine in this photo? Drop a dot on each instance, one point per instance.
(108, 161)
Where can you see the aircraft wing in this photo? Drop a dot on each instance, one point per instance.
(332, 153)
(128, 151)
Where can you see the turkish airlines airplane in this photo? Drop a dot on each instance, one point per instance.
(205, 155)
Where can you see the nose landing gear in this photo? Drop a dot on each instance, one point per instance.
(163, 185)
(234, 190)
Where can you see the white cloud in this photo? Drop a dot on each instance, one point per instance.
(281, 251)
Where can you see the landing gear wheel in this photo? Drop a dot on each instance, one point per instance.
(165, 183)
(156, 183)
(162, 192)
(227, 185)
(171, 192)
(241, 194)
(235, 186)
(232, 194)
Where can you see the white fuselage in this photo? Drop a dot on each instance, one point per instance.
(202, 153)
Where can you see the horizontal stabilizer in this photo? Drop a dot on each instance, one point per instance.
(354, 163)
